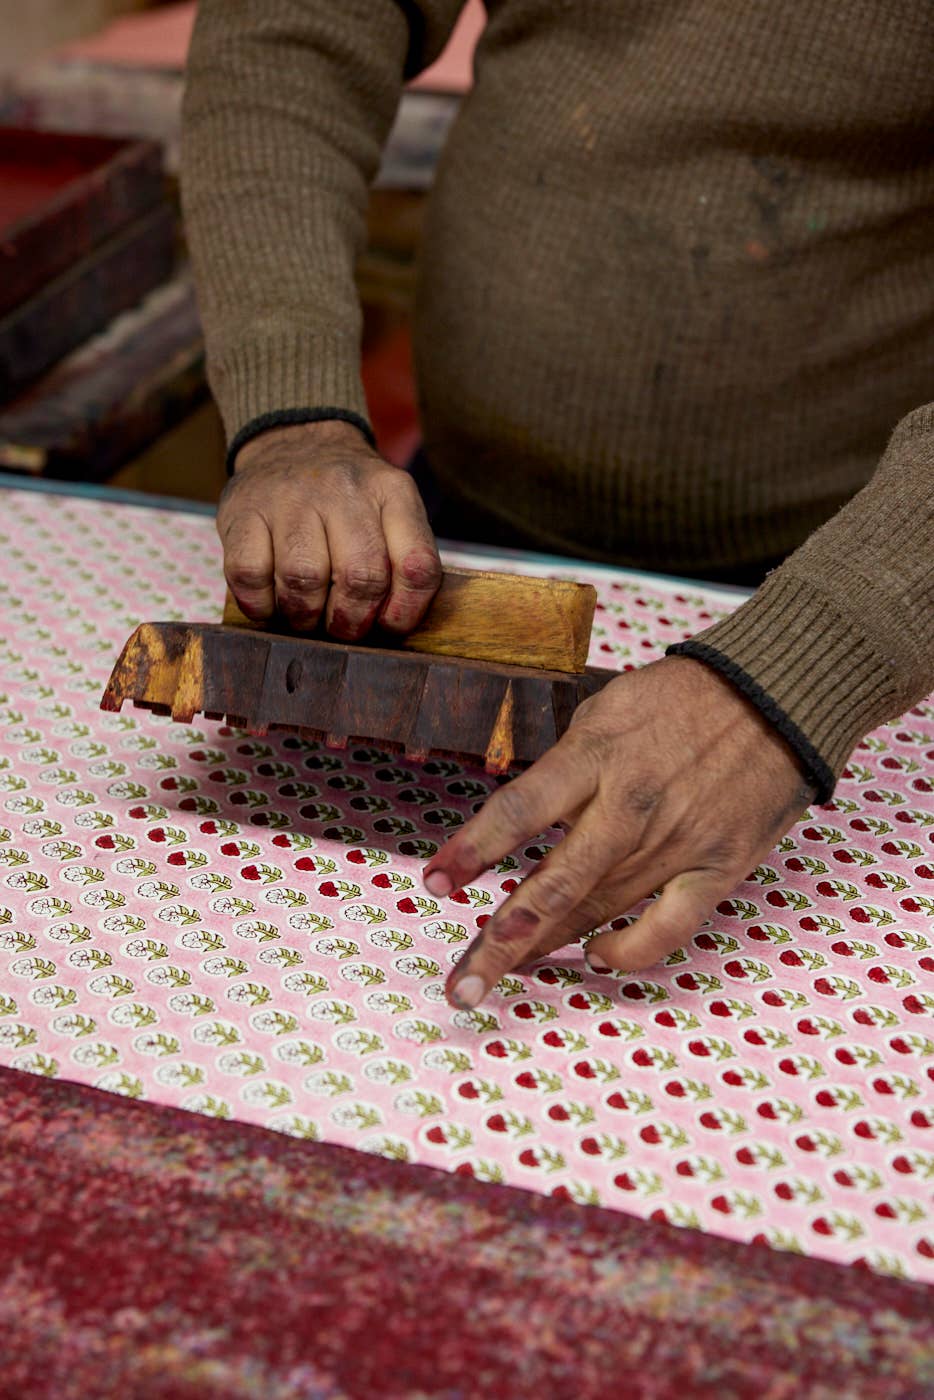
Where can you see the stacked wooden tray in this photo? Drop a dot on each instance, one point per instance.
(86, 231)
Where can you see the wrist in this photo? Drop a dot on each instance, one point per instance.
(311, 428)
(758, 706)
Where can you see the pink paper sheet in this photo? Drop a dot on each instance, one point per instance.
(238, 926)
(151, 39)
(160, 38)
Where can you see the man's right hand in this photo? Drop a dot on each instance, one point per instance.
(314, 522)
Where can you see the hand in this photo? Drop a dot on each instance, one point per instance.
(668, 779)
(313, 521)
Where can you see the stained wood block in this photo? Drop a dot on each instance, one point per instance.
(61, 196)
(487, 616)
(420, 704)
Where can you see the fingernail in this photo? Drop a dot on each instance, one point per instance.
(468, 992)
(438, 883)
(595, 964)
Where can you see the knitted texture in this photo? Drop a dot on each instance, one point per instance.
(675, 292)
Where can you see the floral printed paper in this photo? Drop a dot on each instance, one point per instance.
(237, 926)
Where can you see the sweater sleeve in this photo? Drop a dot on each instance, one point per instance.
(288, 104)
(840, 638)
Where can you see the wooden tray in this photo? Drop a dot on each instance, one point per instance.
(115, 395)
(85, 298)
(63, 195)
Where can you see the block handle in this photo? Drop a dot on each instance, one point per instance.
(480, 615)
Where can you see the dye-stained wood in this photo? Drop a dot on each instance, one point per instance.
(85, 298)
(486, 616)
(114, 396)
(477, 711)
(61, 196)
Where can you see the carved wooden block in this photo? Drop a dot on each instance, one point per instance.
(493, 713)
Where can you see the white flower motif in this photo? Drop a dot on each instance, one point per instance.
(135, 865)
(11, 1033)
(119, 1082)
(335, 1011)
(267, 1092)
(355, 1042)
(200, 940)
(99, 1054)
(127, 1014)
(255, 928)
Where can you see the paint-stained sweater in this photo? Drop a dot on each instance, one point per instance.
(676, 295)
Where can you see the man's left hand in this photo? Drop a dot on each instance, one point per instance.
(668, 779)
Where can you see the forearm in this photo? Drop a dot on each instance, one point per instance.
(287, 106)
(841, 637)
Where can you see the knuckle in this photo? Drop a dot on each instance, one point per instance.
(399, 483)
(248, 578)
(301, 579)
(725, 854)
(512, 930)
(421, 569)
(549, 894)
(347, 475)
(587, 740)
(363, 581)
(643, 797)
(510, 805)
(580, 715)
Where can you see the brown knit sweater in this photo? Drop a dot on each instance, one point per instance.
(676, 292)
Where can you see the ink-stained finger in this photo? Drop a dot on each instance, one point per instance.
(360, 570)
(248, 565)
(413, 556)
(537, 911)
(560, 782)
(303, 569)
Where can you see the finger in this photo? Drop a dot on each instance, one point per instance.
(605, 902)
(248, 565)
(360, 570)
(560, 782)
(680, 910)
(547, 946)
(303, 570)
(537, 911)
(413, 556)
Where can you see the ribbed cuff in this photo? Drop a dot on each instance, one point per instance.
(289, 418)
(805, 668)
(291, 372)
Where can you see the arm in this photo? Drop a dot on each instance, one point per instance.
(840, 638)
(287, 106)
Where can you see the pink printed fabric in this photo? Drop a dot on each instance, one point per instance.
(238, 926)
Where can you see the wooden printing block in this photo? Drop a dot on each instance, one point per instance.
(415, 697)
